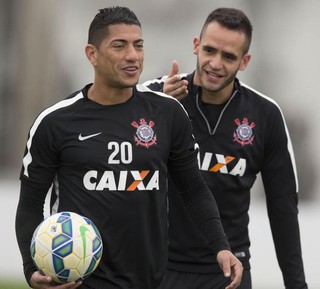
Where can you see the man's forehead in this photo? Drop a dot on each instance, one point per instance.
(124, 29)
(220, 36)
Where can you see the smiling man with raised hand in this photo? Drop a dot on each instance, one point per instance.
(240, 133)
(106, 150)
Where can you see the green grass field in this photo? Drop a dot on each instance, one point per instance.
(13, 285)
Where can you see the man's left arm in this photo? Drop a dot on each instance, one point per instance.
(281, 187)
(198, 199)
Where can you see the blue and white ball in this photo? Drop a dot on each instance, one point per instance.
(67, 247)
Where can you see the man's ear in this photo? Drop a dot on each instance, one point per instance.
(244, 62)
(196, 43)
(91, 52)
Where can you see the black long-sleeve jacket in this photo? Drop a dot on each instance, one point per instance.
(246, 136)
(110, 163)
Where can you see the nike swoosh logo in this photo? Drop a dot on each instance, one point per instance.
(82, 138)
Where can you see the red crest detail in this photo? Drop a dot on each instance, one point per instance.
(144, 135)
(244, 132)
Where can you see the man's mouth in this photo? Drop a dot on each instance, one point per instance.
(131, 68)
(215, 75)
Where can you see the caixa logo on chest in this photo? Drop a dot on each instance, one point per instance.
(223, 164)
(123, 181)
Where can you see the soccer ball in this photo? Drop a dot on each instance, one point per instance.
(67, 247)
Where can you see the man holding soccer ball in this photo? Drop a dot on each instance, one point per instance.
(106, 150)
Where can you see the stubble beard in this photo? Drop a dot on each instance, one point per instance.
(213, 88)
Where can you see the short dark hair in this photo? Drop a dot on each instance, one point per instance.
(98, 29)
(233, 19)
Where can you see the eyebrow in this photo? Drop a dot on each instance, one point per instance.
(223, 52)
(124, 40)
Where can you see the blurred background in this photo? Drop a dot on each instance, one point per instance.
(43, 61)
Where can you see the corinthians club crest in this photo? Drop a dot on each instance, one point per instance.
(144, 135)
(244, 134)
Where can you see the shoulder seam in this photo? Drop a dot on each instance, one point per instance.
(63, 103)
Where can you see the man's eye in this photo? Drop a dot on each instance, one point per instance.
(208, 50)
(139, 46)
(230, 57)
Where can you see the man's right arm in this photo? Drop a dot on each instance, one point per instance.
(28, 216)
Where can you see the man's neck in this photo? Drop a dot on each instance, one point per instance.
(109, 95)
(217, 97)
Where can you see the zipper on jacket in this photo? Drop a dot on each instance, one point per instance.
(212, 132)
